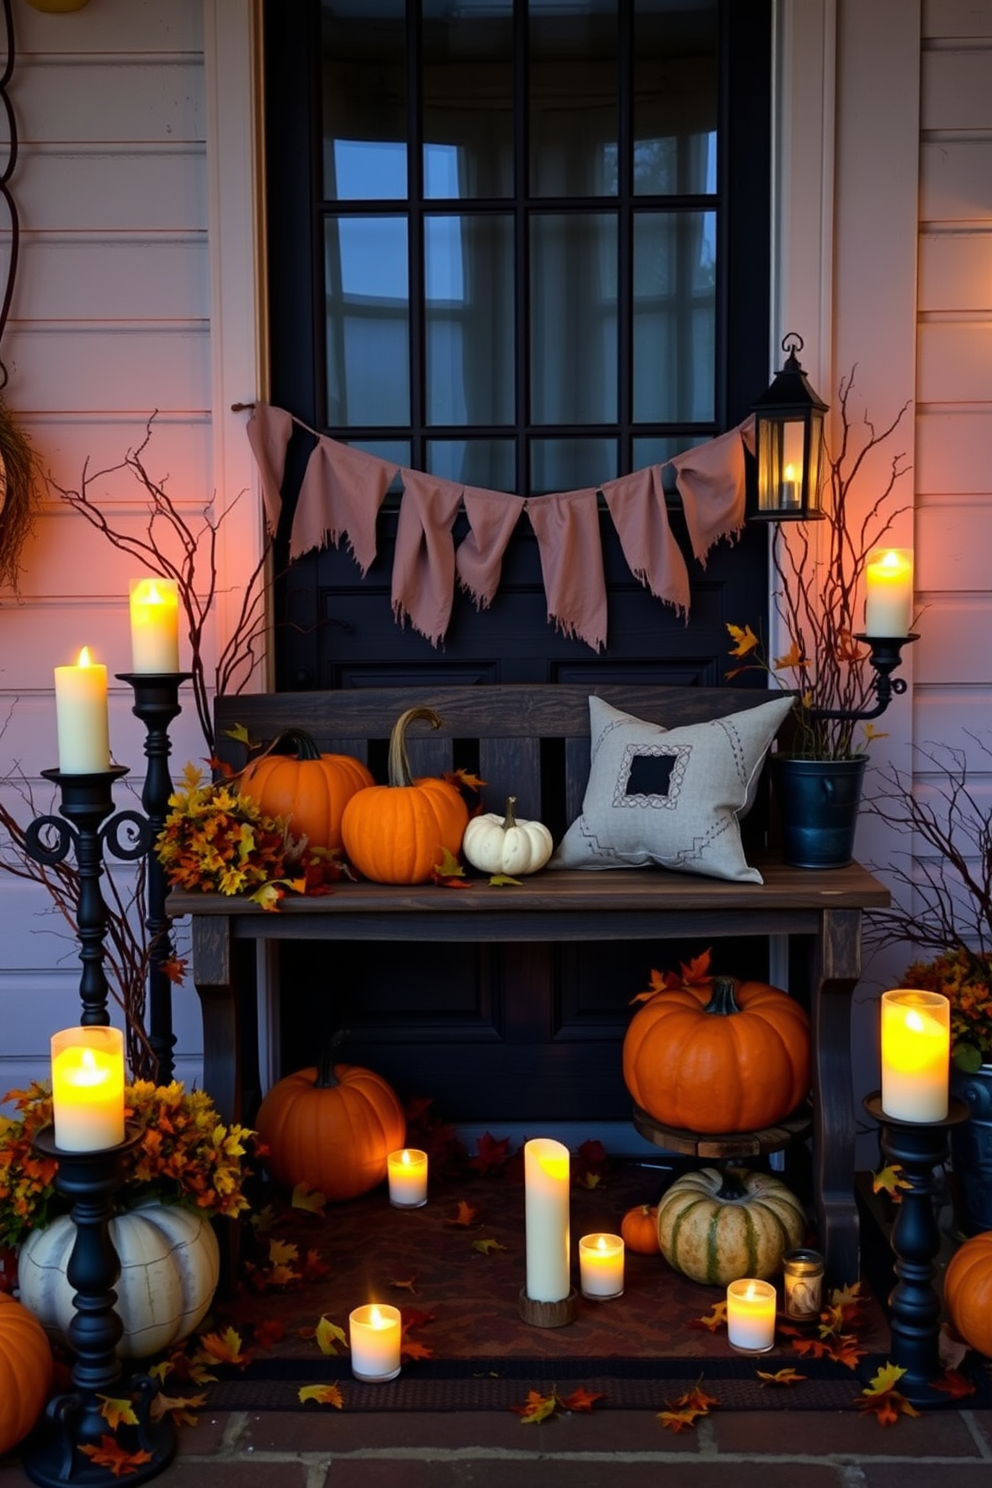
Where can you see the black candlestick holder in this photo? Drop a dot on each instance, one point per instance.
(156, 703)
(885, 657)
(87, 802)
(915, 1308)
(75, 1431)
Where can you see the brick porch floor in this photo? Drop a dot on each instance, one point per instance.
(609, 1449)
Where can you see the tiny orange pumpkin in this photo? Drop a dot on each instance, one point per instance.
(639, 1229)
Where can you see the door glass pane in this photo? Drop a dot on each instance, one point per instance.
(571, 464)
(468, 99)
(367, 311)
(474, 462)
(674, 316)
(363, 76)
(573, 314)
(658, 449)
(675, 97)
(468, 272)
(573, 98)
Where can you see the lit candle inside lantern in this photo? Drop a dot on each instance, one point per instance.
(751, 1316)
(374, 1334)
(546, 1180)
(601, 1266)
(916, 1042)
(88, 1088)
(791, 487)
(154, 626)
(81, 716)
(889, 600)
(407, 1171)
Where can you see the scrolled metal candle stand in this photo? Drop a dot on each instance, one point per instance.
(54, 1454)
(915, 1308)
(87, 802)
(156, 703)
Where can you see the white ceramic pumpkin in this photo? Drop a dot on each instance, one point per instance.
(502, 844)
(170, 1264)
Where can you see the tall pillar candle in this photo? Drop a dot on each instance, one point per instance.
(154, 626)
(889, 597)
(88, 1088)
(546, 1193)
(81, 716)
(916, 1042)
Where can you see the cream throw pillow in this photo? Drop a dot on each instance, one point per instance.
(670, 796)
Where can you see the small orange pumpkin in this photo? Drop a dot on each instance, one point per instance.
(720, 1056)
(639, 1229)
(26, 1371)
(293, 779)
(968, 1291)
(397, 833)
(331, 1127)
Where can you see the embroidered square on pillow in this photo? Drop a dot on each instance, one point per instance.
(673, 797)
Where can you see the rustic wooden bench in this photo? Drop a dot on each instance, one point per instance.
(533, 742)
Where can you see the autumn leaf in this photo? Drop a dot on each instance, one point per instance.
(792, 658)
(843, 1349)
(322, 1394)
(491, 1154)
(223, 1348)
(415, 1317)
(175, 969)
(273, 1330)
(696, 1399)
(111, 1454)
(785, 1376)
(537, 1408)
(891, 1180)
(329, 1335)
(465, 1217)
(283, 1253)
(117, 1412)
(745, 641)
(590, 1165)
(581, 1399)
(954, 1384)
(414, 1350)
(405, 1284)
(314, 1267)
(486, 1247)
(679, 1420)
(264, 1219)
(180, 1407)
(465, 778)
(239, 734)
(717, 1318)
(309, 1199)
(448, 873)
(502, 880)
(880, 1397)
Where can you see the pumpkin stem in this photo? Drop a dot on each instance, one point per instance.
(399, 761)
(732, 1186)
(509, 820)
(722, 1000)
(326, 1078)
(293, 741)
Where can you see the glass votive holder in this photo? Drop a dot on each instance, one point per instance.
(751, 1309)
(601, 1260)
(374, 1336)
(406, 1171)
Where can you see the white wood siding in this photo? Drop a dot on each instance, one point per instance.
(952, 699)
(111, 321)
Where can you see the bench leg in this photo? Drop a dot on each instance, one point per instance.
(836, 970)
(223, 974)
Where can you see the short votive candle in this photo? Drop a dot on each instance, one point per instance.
(374, 1334)
(88, 1088)
(751, 1307)
(601, 1266)
(407, 1173)
(916, 1045)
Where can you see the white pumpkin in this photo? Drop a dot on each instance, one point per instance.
(498, 844)
(170, 1265)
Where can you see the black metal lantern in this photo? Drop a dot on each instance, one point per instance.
(789, 444)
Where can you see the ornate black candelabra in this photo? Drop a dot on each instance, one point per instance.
(886, 655)
(69, 1447)
(156, 703)
(914, 1305)
(86, 804)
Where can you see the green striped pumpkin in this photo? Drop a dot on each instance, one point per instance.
(717, 1228)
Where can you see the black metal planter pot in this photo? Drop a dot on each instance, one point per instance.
(818, 803)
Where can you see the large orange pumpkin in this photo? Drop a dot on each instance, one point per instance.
(293, 779)
(723, 1056)
(26, 1371)
(968, 1291)
(397, 833)
(331, 1127)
